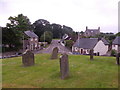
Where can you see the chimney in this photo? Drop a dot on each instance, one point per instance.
(98, 28)
(86, 27)
(99, 39)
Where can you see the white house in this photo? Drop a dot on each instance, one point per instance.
(83, 46)
(116, 44)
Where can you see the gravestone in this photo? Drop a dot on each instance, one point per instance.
(54, 53)
(64, 66)
(117, 59)
(91, 54)
(28, 58)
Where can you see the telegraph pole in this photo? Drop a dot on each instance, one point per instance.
(44, 39)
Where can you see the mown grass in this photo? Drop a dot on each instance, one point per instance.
(102, 72)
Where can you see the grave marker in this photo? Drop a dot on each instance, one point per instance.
(64, 66)
(54, 53)
(28, 58)
(91, 54)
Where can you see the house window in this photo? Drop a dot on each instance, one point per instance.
(87, 50)
(31, 39)
(35, 44)
(35, 39)
(81, 51)
(76, 49)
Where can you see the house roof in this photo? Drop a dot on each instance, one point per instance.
(88, 43)
(105, 41)
(31, 34)
(117, 40)
(92, 31)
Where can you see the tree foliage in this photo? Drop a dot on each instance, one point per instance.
(13, 32)
(47, 37)
(69, 44)
(41, 25)
(10, 39)
(19, 24)
(118, 34)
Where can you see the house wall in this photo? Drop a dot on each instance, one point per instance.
(101, 48)
(80, 50)
(116, 47)
(34, 43)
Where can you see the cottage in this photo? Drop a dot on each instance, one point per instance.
(116, 44)
(31, 42)
(83, 46)
(91, 32)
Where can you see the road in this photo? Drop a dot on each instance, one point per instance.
(54, 43)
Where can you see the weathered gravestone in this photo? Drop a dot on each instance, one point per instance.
(54, 53)
(91, 54)
(28, 58)
(117, 58)
(64, 66)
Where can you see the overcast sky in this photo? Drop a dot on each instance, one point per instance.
(76, 14)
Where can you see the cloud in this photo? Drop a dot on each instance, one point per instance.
(74, 13)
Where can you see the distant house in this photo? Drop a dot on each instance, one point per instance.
(64, 37)
(116, 44)
(83, 46)
(31, 42)
(91, 32)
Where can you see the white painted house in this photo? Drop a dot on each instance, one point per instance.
(116, 44)
(83, 46)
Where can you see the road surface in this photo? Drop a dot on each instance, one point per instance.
(55, 43)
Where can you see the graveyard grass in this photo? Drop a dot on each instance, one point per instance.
(102, 72)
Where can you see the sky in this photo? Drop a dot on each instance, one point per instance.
(76, 14)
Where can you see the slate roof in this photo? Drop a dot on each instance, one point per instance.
(117, 41)
(88, 43)
(105, 41)
(31, 34)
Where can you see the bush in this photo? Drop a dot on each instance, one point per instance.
(48, 37)
(69, 44)
(113, 53)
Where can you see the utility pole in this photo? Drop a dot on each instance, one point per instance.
(44, 39)
(78, 38)
(23, 42)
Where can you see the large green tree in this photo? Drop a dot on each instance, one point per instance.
(118, 34)
(9, 40)
(46, 36)
(12, 34)
(19, 24)
(40, 26)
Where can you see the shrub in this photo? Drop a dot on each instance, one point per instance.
(69, 44)
(113, 53)
(48, 37)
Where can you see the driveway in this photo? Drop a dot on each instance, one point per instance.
(55, 43)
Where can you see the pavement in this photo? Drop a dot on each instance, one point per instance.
(55, 43)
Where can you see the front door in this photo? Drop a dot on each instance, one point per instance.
(81, 51)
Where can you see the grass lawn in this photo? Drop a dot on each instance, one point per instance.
(100, 73)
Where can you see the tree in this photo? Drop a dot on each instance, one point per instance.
(67, 30)
(13, 32)
(69, 44)
(40, 26)
(57, 30)
(19, 24)
(47, 36)
(118, 34)
(10, 40)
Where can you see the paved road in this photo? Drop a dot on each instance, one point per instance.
(54, 43)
